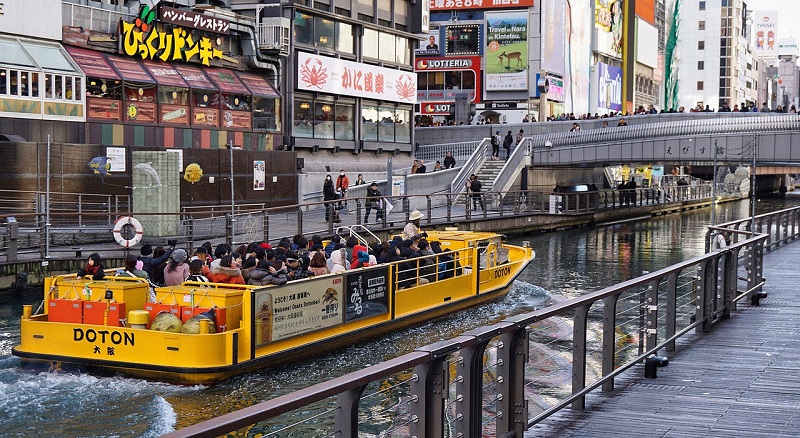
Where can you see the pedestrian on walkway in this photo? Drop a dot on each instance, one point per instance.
(449, 160)
(342, 184)
(329, 194)
(475, 187)
(496, 140)
(507, 142)
(374, 201)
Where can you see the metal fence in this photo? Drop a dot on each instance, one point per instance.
(97, 18)
(502, 379)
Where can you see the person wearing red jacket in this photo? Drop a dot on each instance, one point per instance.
(342, 183)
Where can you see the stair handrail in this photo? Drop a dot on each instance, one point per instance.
(473, 163)
(516, 162)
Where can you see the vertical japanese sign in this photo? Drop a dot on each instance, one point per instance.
(367, 293)
(506, 51)
(259, 174)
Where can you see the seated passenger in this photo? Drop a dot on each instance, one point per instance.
(177, 270)
(196, 267)
(94, 267)
(295, 269)
(318, 264)
(338, 258)
(226, 272)
(268, 273)
(133, 268)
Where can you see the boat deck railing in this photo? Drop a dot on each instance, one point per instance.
(501, 379)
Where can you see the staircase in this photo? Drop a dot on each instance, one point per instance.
(486, 175)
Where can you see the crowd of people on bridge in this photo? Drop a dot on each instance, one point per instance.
(258, 263)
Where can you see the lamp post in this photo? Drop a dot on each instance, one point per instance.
(753, 188)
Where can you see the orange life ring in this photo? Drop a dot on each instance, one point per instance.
(128, 221)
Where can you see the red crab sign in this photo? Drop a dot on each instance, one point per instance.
(338, 76)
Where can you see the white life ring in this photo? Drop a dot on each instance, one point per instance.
(124, 222)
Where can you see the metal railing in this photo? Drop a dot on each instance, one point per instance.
(515, 163)
(253, 223)
(461, 151)
(93, 18)
(704, 126)
(499, 380)
(273, 34)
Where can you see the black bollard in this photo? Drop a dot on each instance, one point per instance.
(653, 362)
(755, 299)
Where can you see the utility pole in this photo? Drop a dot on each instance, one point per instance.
(233, 206)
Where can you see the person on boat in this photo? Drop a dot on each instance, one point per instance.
(150, 261)
(353, 253)
(177, 270)
(332, 245)
(428, 270)
(201, 253)
(157, 276)
(412, 227)
(196, 267)
(295, 269)
(361, 261)
(248, 265)
(318, 264)
(338, 258)
(349, 246)
(408, 270)
(131, 270)
(444, 261)
(227, 272)
(268, 273)
(94, 267)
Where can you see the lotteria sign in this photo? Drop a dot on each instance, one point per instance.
(470, 65)
(435, 108)
(338, 76)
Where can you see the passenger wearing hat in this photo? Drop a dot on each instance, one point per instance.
(374, 201)
(94, 267)
(412, 227)
(496, 140)
(177, 270)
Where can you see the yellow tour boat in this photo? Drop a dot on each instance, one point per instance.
(118, 325)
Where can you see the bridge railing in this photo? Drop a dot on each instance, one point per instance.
(252, 223)
(501, 379)
(700, 126)
(461, 151)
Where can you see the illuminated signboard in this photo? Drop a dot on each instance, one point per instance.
(448, 5)
(463, 39)
(143, 39)
(194, 20)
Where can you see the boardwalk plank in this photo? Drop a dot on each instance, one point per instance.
(740, 380)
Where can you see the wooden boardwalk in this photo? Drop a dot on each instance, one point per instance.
(740, 380)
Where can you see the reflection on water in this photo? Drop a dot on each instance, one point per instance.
(569, 263)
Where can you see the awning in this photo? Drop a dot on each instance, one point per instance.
(165, 74)
(129, 69)
(93, 63)
(226, 80)
(195, 77)
(258, 85)
(36, 55)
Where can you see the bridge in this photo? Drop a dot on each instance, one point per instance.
(732, 367)
(763, 141)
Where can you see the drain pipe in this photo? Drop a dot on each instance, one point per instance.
(250, 52)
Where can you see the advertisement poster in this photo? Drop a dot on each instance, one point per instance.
(430, 45)
(609, 87)
(297, 308)
(506, 51)
(259, 174)
(367, 293)
(116, 157)
(765, 27)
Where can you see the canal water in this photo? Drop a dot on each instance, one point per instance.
(568, 263)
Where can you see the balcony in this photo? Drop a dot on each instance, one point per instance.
(272, 34)
(94, 16)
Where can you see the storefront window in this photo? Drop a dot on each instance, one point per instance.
(140, 92)
(13, 79)
(303, 28)
(436, 80)
(238, 102)
(108, 89)
(387, 47)
(323, 33)
(173, 95)
(205, 98)
(303, 119)
(402, 128)
(265, 113)
(369, 43)
(403, 50)
(386, 124)
(343, 125)
(344, 38)
(369, 123)
(35, 84)
(323, 123)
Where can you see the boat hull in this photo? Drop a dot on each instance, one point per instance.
(248, 345)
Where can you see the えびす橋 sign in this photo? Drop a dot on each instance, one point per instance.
(338, 76)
